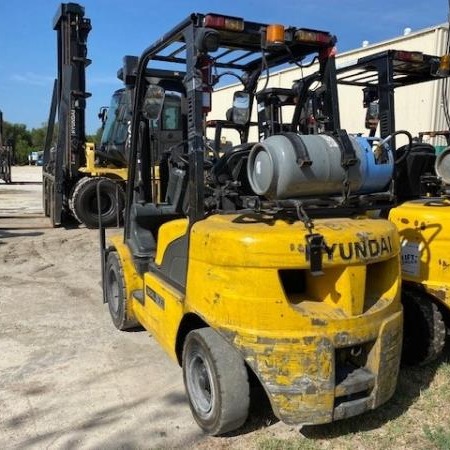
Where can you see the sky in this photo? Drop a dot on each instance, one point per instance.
(120, 27)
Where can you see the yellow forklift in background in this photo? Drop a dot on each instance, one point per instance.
(257, 264)
(422, 179)
(73, 168)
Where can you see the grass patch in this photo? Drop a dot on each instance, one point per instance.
(439, 437)
(413, 419)
(273, 443)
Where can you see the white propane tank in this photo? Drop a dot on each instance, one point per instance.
(275, 168)
(442, 165)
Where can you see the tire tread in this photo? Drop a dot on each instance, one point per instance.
(424, 328)
(232, 380)
(122, 322)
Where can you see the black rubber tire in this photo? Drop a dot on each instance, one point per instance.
(216, 382)
(424, 330)
(83, 201)
(115, 293)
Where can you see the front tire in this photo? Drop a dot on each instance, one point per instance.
(424, 330)
(116, 294)
(84, 205)
(216, 382)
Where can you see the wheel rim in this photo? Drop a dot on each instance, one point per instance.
(200, 385)
(113, 290)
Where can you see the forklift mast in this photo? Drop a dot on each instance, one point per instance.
(6, 154)
(61, 167)
(72, 30)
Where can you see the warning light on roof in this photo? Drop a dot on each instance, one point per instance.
(444, 66)
(223, 22)
(414, 57)
(312, 36)
(275, 34)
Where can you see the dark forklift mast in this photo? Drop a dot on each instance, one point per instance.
(72, 30)
(61, 168)
(6, 154)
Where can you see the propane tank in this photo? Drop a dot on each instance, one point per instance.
(442, 165)
(289, 165)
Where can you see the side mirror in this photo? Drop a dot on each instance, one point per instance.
(241, 107)
(153, 102)
(103, 114)
(372, 116)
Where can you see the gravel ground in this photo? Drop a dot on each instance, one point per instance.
(68, 378)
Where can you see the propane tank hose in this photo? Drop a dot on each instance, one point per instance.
(396, 133)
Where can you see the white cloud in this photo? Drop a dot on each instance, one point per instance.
(33, 79)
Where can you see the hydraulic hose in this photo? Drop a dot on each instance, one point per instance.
(408, 148)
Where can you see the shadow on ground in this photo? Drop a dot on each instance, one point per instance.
(4, 234)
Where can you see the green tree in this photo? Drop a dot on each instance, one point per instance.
(95, 138)
(20, 137)
(38, 137)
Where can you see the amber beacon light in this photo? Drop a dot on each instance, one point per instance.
(275, 34)
(444, 65)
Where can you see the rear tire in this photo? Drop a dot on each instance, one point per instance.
(216, 382)
(84, 206)
(116, 294)
(424, 330)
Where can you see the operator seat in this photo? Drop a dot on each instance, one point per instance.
(146, 218)
(419, 162)
(232, 166)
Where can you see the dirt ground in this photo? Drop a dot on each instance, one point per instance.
(68, 378)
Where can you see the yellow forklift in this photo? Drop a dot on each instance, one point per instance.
(73, 168)
(422, 181)
(257, 264)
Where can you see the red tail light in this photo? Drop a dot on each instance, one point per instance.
(409, 56)
(223, 22)
(312, 36)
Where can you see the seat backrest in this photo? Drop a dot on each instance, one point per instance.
(232, 166)
(420, 161)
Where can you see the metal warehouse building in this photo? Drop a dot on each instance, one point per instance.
(418, 108)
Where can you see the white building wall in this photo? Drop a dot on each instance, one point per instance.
(418, 108)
